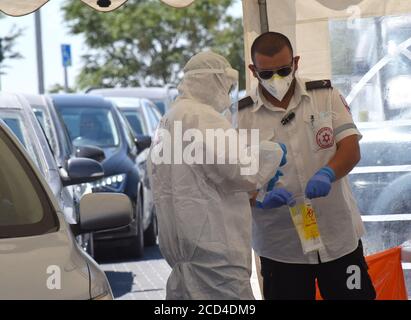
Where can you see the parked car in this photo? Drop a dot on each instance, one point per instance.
(381, 184)
(16, 112)
(143, 117)
(92, 120)
(40, 258)
(142, 114)
(63, 151)
(161, 96)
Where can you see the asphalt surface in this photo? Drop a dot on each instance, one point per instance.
(136, 279)
(142, 279)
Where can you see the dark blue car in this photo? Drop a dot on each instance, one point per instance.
(94, 121)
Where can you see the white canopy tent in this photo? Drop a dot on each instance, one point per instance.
(362, 45)
(351, 42)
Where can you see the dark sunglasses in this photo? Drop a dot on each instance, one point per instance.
(268, 74)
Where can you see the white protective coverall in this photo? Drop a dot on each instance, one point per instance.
(203, 210)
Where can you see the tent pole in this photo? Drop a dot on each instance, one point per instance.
(262, 4)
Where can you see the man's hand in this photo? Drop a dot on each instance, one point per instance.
(278, 197)
(320, 184)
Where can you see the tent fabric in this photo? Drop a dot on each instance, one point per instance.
(386, 272)
(305, 22)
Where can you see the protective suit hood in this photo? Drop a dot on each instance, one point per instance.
(208, 79)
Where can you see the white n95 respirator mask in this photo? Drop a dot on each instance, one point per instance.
(277, 85)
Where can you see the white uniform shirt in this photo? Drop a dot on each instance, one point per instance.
(322, 119)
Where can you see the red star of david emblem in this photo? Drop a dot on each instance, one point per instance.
(326, 138)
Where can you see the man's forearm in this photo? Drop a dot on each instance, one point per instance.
(347, 156)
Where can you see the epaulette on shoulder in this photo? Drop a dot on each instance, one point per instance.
(245, 103)
(319, 84)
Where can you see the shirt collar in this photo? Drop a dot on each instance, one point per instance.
(260, 101)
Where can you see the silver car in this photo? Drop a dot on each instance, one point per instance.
(40, 258)
(161, 96)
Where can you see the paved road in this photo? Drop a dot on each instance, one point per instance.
(143, 279)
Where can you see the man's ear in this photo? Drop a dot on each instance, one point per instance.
(252, 68)
(296, 62)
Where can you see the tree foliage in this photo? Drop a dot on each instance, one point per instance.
(7, 46)
(148, 43)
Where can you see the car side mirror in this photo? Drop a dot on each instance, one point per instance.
(142, 143)
(104, 211)
(82, 170)
(90, 152)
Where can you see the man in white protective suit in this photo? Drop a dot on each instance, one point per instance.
(202, 206)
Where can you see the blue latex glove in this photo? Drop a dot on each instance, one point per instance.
(320, 183)
(274, 180)
(278, 197)
(284, 158)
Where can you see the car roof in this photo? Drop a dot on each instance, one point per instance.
(126, 102)
(130, 102)
(140, 92)
(84, 100)
(35, 99)
(10, 101)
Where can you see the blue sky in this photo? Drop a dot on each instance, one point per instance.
(22, 74)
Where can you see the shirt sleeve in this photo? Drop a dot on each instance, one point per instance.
(343, 123)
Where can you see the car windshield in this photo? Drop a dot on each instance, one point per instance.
(17, 123)
(90, 126)
(25, 209)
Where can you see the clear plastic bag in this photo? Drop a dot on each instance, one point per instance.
(305, 221)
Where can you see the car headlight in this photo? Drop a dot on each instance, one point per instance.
(114, 183)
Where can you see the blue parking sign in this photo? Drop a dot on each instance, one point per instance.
(66, 55)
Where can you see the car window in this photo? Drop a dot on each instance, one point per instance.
(136, 120)
(18, 125)
(160, 105)
(44, 118)
(25, 209)
(90, 126)
(153, 117)
(128, 131)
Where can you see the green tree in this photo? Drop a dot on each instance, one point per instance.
(7, 46)
(148, 43)
(58, 88)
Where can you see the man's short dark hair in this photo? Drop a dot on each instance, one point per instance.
(269, 44)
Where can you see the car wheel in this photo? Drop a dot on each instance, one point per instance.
(136, 242)
(150, 235)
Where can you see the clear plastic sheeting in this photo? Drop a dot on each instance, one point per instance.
(364, 47)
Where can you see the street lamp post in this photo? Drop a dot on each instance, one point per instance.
(39, 51)
(1, 57)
